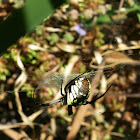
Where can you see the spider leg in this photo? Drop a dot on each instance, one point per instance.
(70, 112)
(61, 89)
(96, 98)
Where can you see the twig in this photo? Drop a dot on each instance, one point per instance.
(53, 125)
(35, 115)
(121, 47)
(120, 6)
(133, 95)
(117, 134)
(18, 84)
(14, 135)
(16, 125)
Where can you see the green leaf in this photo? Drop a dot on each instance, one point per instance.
(68, 37)
(53, 38)
(138, 15)
(3, 77)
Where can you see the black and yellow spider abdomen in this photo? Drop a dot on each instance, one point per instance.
(78, 92)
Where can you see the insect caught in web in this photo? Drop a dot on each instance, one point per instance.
(77, 92)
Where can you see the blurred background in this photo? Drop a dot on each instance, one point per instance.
(80, 36)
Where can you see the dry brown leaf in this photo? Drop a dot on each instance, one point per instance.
(70, 48)
(120, 58)
(51, 29)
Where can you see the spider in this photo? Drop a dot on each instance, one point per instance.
(77, 92)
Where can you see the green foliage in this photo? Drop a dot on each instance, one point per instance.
(108, 137)
(2, 76)
(100, 38)
(82, 69)
(31, 57)
(101, 2)
(43, 67)
(3, 73)
(27, 87)
(53, 38)
(50, 92)
(28, 39)
(28, 59)
(68, 37)
(9, 58)
(120, 130)
(48, 57)
(139, 105)
(137, 6)
(39, 30)
(24, 20)
(63, 122)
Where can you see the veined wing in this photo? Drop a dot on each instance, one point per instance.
(55, 79)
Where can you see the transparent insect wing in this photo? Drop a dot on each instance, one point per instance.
(88, 75)
(50, 79)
